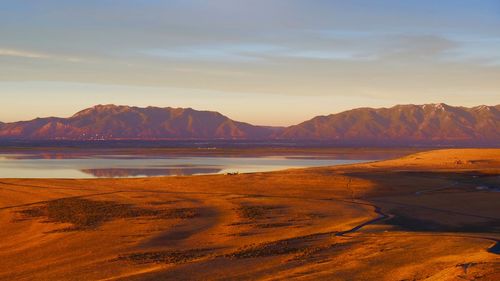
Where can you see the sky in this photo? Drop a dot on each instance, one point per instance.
(266, 62)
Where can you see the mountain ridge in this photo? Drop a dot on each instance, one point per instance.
(404, 124)
(126, 122)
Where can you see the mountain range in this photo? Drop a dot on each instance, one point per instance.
(401, 124)
(430, 123)
(125, 122)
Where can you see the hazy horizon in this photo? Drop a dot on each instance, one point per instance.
(262, 62)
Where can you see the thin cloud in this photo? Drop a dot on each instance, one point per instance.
(36, 55)
(22, 54)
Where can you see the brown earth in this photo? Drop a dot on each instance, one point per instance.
(428, 216)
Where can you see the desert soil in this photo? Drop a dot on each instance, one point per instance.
(428, 216)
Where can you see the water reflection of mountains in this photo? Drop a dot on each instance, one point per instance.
(127, 172)
(161, 154)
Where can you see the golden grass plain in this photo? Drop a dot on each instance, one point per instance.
(428, 216)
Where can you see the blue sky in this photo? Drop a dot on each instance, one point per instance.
(264, 62)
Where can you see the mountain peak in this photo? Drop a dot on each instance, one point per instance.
(436, 106)
(441, 106)
(403, 124)
(111, 121)
(100, 108)
(108, 106)
(484, 108)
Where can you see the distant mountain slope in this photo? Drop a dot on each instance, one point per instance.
(124, 122)
(401, 124)
(431, 123)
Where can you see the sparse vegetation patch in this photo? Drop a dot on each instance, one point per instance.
(86, 214)
(175, 257)
(255, 212)
(279, 247)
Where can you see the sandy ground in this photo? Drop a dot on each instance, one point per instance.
(428, 216)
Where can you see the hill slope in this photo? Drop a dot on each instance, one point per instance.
(431, 123)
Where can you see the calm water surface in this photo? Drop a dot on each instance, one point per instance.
(29, 165)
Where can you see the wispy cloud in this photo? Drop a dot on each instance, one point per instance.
(244, 52)
(22, 54)
(4, 52)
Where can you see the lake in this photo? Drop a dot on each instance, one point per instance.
(67, 164)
